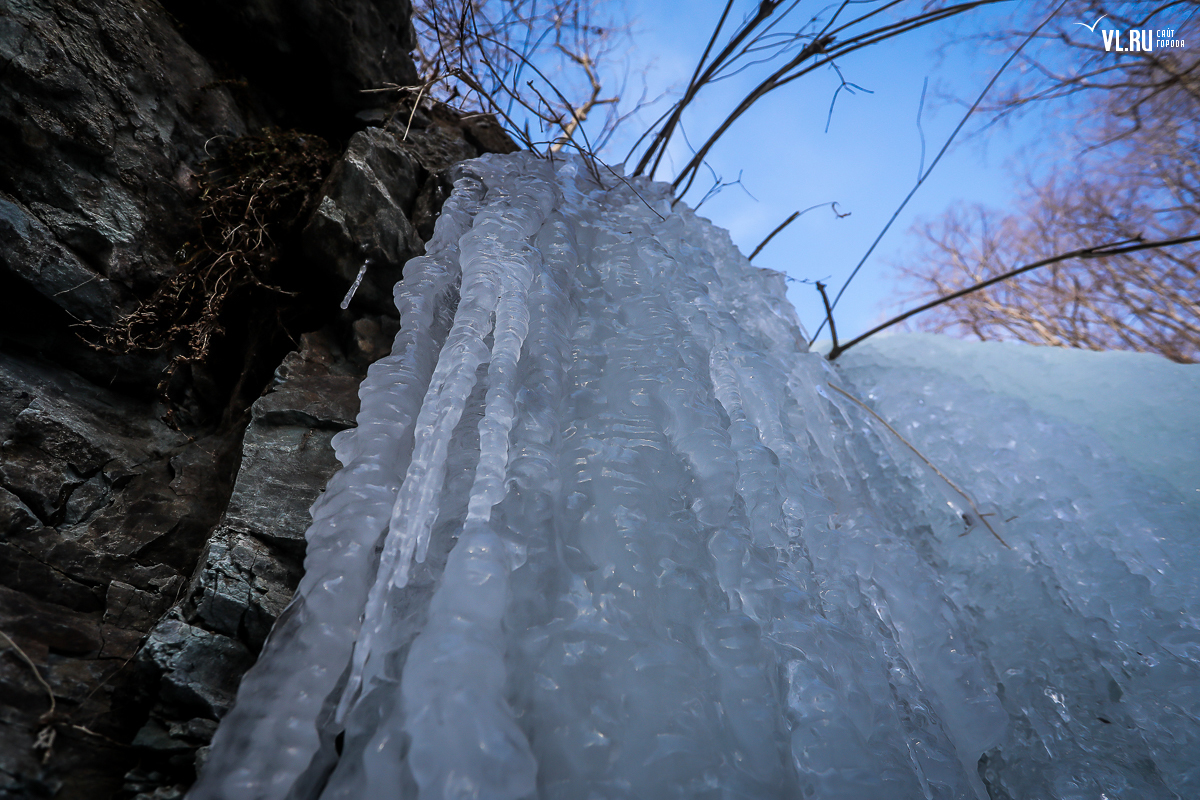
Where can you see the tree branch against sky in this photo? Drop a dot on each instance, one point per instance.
(1133, 171)
(786, 46)
(482, 54)
(544, 68)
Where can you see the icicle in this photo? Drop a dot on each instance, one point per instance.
(275, 732)
(490, 250)
(512, 325)
(362, 271)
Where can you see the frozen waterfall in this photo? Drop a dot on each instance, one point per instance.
(605, 529)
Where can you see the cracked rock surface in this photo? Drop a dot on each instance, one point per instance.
(141, 567)
(100, 504)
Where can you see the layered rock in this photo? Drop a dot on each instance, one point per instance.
(251, 562)
(142, 566)
(104, 116)
(102, 510)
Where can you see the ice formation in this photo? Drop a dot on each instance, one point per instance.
(358, 279)
(605, 530)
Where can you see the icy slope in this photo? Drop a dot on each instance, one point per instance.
(1144, 407)
(1090, 623)
(605, 529)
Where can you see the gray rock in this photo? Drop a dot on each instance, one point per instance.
(70, 456)
(73, 420)
(251, 564)
(198, 670)
(107, 106)
(316, 387)
(201, 757)
(287, 455)
(172, 738)
(128, 607)
(106, 110)
(142, 782)
(241, 587)
(87, 498)
(42, 482)
(364, 215)
(91, 508)
(163, 793)
(154, 735)
(198, 730)
(284, 469)
(30, 251)
(323, 402)
(436, 143)
(429, 203)
(24, 571)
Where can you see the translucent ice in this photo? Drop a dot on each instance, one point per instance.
(604, 530)
(358, 279)
(1090, 624)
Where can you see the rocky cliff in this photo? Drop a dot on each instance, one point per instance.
(169, 384)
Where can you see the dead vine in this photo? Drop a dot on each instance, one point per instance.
(255, 192)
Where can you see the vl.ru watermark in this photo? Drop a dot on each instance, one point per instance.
(1136, 40)
(1144, 41)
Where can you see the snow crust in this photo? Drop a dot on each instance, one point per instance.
(605, 529)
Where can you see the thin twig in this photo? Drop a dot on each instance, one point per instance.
(795, 215)
(845, 84)
(771, 235)
(828, 313)
(46, 736)
(412, 113)
(37, 674)
(938, 158)
(1096, 251)
(920, 130)
(619, 177)
(982, 517)
(697, 81)
(827, 45)
(111, 741)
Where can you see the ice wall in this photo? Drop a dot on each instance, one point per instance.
(1090, 623)
(605, 529)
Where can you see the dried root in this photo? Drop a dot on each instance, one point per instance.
(255, 193)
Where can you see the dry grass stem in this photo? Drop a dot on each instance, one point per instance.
(36, 673)
(982, 517)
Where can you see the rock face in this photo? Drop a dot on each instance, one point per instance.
(102, 508)
(310, 60)
(251, 562)
(104, 115)
(141, 567)
(110, 97)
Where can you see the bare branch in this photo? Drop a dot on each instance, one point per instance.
(792, 218)
(945, 147)
(1098, 251)
(478, 56)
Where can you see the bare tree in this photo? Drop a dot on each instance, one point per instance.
(540, 66)
(1077, 60)
(1134, 175)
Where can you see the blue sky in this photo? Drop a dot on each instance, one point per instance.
(867, 161)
